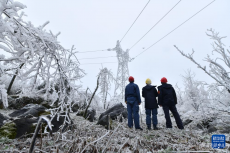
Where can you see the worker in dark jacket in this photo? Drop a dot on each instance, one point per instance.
(167, 99)
(149, 92)
(133, 100)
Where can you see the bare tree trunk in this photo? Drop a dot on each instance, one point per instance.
(86, 98)
(35, 136)
(92, 97)
(39, 124)
(106, 100)
(12, 80)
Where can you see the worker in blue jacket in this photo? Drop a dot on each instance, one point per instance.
(133, 100)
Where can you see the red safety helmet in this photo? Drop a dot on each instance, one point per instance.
(131, 79)
(164, 80)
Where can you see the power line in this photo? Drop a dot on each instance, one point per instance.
(155, 24)
(174, 29)
(134, 21)
(96, 57)
(95, 51)
(97, 63)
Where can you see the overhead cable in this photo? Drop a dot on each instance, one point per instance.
(174, 29)
(155, 25)
(94, 51)
(134, 21)
(96, 57)
(97, 63)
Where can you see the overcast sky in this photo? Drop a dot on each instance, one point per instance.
(98, 24)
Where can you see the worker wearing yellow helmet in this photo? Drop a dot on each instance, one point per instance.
(149, 92)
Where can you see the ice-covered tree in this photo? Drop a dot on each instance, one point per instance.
(3, 96)
(179, 94)
(194, 92)
(34, 55)
(218, 66)
(219, 98)
(106, 77)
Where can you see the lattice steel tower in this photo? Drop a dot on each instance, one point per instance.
(122, 71)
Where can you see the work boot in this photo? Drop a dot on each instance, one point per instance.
(130, 127)
(139, 129)
(155, 127)
(149, 128)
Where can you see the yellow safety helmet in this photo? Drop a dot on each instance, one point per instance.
(148, 81)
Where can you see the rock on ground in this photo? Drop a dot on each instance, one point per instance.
(91, 114)
(212, 129)
(75, 108)
(2, 118)
(29, 109)
(221, 123)
(18, 103)
(114, 112)
(25, 126)
(187, 121)
(57, 123)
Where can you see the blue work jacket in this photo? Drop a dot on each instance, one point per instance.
(132, 93)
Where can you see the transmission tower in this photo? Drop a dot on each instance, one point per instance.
(122, 71)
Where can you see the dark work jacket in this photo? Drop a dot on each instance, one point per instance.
(132, 93)
(150, 93)
(166, 95)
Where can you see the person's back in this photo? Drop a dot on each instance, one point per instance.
(149, 92)
(168, 95)
(131, 94)
(167, 99)
(133, 100)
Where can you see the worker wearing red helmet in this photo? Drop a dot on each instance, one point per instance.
(133, 100)
(168, 100)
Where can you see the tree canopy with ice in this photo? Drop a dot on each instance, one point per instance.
(36, 56)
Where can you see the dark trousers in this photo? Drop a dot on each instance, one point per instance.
(133, 112)
(151, 112)
(175, 114)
